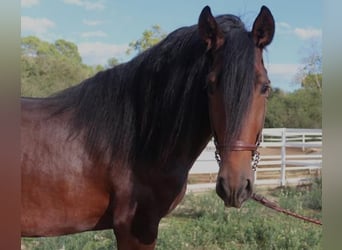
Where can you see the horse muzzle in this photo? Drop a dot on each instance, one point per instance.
(234, 196)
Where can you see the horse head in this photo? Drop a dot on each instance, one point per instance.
(237, 94)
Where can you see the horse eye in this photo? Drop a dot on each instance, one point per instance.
(265, 88)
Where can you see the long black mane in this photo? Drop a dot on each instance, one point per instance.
(151, 102)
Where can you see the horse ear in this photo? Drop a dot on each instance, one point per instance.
(209, 30)
(263, 28)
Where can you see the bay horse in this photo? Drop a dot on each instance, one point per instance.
(114, 151)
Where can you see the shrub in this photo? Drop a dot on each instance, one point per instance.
(313, 199)
(211, 226)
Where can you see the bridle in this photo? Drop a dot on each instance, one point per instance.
(240, 146)
(244, 146)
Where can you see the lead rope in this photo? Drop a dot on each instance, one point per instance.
(261, 199)
(267, 203)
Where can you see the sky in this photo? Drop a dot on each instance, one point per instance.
(103, 28)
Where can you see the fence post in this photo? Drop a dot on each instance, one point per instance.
(283, 157)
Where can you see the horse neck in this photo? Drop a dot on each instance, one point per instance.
(187, 141)
(171, 104)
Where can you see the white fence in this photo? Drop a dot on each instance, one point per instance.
(287, 156)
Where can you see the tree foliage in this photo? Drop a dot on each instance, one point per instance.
(310, 74)
(50, 67)
(68, 49)
(299, 109)
(312, 80)
(112, 62)
(149, 38)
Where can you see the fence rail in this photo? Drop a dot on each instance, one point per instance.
(288, 156)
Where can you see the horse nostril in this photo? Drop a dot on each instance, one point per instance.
(220, 190)
(249, 187)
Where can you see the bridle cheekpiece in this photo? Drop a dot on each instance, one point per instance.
(240, 146)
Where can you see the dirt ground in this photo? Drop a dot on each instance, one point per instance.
(289, 151)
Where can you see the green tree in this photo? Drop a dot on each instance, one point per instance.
(304, 107)
(98, 68)
(299, 109)
(276, 109)
(68, 49)
(112, 62)
(312, 80)
(310, 74)
(149, 38)
(50, 67)
(32, 46)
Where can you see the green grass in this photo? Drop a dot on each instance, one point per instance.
(202, 222)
